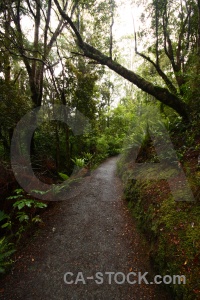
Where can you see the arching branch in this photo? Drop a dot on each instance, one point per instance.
(167, 81)
(162, 94)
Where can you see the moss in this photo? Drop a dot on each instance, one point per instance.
(172, 230)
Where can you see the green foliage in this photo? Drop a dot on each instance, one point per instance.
(88, 157)
(6, 218)
(79, 162)
(115, 124)
(22, 216)
(23, 211)
(102, 146)
(6, 250)
(172, 229)
(3, 216)
(39, 192)
(14, 224)
(63, 176)
(81, 87)
(29, 203)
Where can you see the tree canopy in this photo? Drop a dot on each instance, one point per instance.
(174, 37)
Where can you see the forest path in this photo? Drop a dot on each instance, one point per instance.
(90, 232)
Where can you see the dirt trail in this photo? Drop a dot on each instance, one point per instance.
(91, 232)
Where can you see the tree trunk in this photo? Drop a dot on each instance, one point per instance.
(160, 93)
(68, 154)
(198, 40)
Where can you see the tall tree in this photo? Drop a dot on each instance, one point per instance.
(32, 45)
(171, 93)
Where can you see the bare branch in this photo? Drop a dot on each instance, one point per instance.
(111, 28)
(69, 21)
(156, 16)
(160, 93)
(15, 80)
(30, 9)
(180, 39)
(47, 26)
(29, 57)
(160, 72)
(156, 65)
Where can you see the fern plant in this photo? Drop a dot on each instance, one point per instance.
(79, 162)
(63, 176)
(88, 156)
(6, 250)
(20, 207)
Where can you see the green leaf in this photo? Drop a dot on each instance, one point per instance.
(3, 215)
(39, 192)
(79, 162)
(19, 204)
(19, 191)
(7, 224)
(40, 204)
(63, 176)
(37, 219)
(6, 249)
(14, 197)
(22, 203)
(22, 217)
(29, 203)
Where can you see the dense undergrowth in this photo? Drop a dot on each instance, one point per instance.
(21, 212)
(171, 227)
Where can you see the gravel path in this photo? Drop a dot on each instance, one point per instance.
(88, 233)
